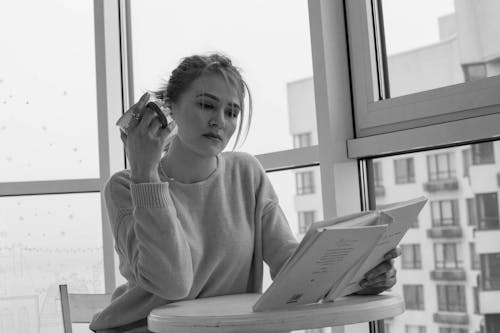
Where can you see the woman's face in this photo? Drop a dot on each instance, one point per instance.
(206, 115)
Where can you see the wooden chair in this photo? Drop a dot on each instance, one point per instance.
(79, 308)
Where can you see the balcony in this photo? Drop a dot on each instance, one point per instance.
(488, 301)
(450, 184)
(448, 274)
(451, 231)
(451, 318)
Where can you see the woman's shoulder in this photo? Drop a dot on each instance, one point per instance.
(242, 160)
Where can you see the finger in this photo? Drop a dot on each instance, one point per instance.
(123, 136)
(382, 284)
(394, 253)
(147, 117)
(381, 268)
(382, 280)
(155, 127)
(143, 100)
(165, 131)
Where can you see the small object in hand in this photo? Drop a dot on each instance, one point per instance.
(155, 105)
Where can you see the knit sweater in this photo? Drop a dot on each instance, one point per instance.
(179, 241)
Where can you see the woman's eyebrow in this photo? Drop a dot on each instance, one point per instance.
(234, 105)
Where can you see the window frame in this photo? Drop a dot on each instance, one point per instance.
(415, 261)
(418, 291)
(444, 293)
(408, 166)
(435, 106)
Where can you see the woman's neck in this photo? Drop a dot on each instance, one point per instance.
(185, 166)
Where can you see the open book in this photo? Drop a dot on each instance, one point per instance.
(334, 256)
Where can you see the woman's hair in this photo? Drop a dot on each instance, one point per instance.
(195, 66)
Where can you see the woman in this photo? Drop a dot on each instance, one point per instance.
(195, 222)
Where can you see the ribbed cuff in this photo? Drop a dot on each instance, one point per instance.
(150, 194)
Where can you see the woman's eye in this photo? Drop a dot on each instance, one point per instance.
(206, 106)
(232, 114)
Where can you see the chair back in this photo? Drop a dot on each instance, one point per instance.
(80, 308)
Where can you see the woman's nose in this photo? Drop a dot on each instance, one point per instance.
(218, 118)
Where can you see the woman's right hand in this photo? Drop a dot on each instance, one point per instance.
(144, 142)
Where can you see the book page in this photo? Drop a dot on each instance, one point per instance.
(325, 261)
(402, 215)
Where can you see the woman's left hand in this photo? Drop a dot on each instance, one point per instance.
(382, 276)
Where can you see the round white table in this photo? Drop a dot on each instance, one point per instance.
(233, 313)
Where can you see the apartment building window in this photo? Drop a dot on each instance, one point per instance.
(466, 161)
(475, 262)
(475, 293)
(451, 298)
(441, 166)
(453, 330)
(305, 220)
(304, 182)
(448, 255)
(487, 210)
(377, 174)
(471, 211)
(302, 140)
(410, 256)
(444, 212)
(414, 296)
(490, 271)
(415, 329)
(404, 170)
(482, 153)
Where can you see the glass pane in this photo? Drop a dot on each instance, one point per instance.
(450, 264)
(47, 91)
(437, 43)
(47, 240)
(268, 40)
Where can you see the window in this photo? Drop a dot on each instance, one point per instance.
(304, 182)
(447, 255)
(388, 48)
(466, 161)
(471, 211)
(490, 271)
(302, 140)
(411, 257)
(475, 293)
(444, 213)
(305, 220)
(415, 329)
(482, 153)
(487, 210)
(414, 296)
(51, 92)
(451, 298)
(441, 166)
(279, 110)
(475, 262)
(404, 170)
(377, 174)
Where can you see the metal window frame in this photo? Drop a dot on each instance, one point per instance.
(373, 116)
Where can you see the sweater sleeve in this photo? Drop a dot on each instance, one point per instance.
(278, 240)
(149, 237)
